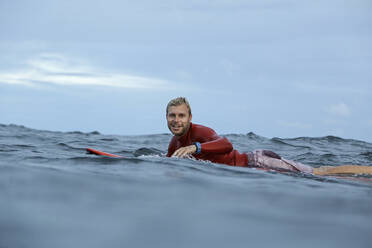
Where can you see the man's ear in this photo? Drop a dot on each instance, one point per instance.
(190, 117)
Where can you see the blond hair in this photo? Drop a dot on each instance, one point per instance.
(177, 102)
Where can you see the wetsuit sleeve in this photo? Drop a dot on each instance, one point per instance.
(211, 142)
(171, 148)
(220, 145)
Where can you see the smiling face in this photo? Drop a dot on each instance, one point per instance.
(179, 118)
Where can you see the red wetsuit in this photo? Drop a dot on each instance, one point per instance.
(213, 147)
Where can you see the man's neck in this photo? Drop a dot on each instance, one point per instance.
(183, 136)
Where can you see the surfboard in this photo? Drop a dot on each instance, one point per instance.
(100, 153)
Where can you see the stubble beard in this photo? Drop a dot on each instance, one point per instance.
(183, 131)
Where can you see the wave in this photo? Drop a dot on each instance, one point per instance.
(109, 139)
(329, 139)
(283, 142)
(367, 155)
(20, 141)
(79, 132)
(68, 146)
(250, 135)
(147, 151)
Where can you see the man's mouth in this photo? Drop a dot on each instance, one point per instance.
(176, 128)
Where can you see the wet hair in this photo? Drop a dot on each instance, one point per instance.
(177, 102)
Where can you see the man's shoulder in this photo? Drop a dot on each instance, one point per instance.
(173, 140)
(198, 126)
(198, 129)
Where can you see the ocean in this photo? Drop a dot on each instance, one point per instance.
(54, 194)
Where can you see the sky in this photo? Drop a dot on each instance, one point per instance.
(277, 68)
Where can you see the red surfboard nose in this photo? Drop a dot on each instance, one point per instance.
(100, 153)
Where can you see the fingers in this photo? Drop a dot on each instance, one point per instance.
(176, 153)
(184, 151)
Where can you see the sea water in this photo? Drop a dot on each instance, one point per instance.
(54, 194)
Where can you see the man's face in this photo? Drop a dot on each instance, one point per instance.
(178, 119)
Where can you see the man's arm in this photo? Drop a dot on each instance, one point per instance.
(171, 147)
(219, 145)
(207, 141)
(184, 151)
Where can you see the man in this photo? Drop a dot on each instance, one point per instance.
(203, 143)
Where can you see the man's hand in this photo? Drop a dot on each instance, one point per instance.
(184, 151)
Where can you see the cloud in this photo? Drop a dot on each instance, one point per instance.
(330, 88)
(340, 109)
(229, 67)
(56, 69)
